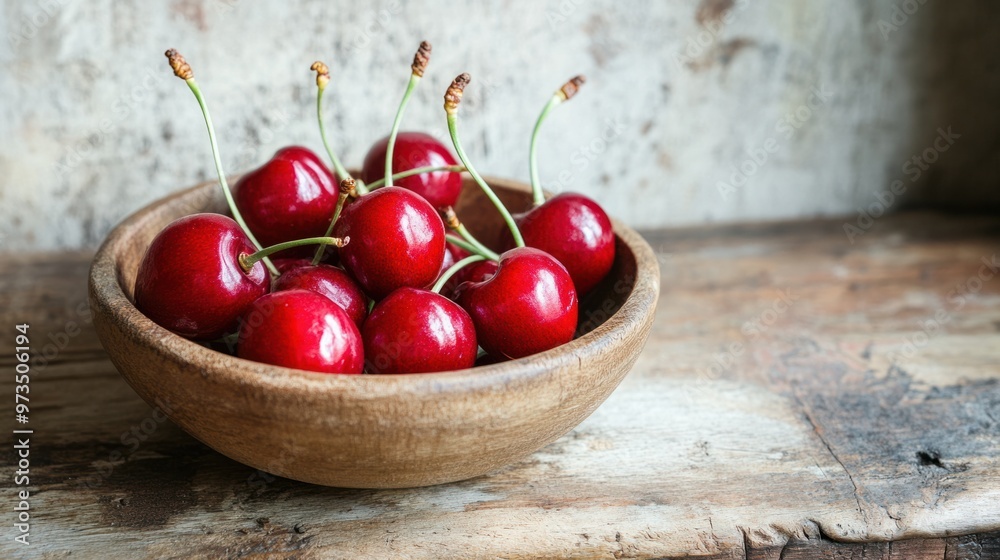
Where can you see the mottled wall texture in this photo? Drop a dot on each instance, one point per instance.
(694, 111)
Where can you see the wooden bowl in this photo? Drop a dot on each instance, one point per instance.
(372, 431)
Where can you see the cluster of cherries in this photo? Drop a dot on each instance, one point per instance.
(322, 271)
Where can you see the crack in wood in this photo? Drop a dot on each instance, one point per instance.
(819, 434)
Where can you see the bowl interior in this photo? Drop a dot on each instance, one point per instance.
(373, 431)
(473, 208)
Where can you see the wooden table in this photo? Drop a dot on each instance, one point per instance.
(800, 397)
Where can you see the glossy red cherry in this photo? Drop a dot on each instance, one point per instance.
(397, 240)
(418, 331)
(292, 196)
(190, 280)
(413, 150)
(284, 264)
(576, 231)
(328, 281)
(303, 330)
(528, 306)
(475, 272)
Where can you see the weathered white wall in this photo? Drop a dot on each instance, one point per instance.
(679, 95)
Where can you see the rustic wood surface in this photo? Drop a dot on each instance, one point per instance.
(862, 407)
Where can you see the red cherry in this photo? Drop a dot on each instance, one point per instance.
(190, 280)
(413, 150)
(284, 264)
(328, 281)
(476, 272)
(303, 330)
(576, 231)
(418, 331)
(529, 305)
(397, 240)
(292, 196)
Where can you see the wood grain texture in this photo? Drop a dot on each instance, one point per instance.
(824, 438)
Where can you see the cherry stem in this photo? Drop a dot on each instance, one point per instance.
(412, 85)
(347, 189)
(564, 93)
(420, 61)
(416, 171)
(336, 214)
(451, 222)
(446, 275)
(247, 261)
(322, 79)
(507, 218)
(536, 185)
(183, 71)
(459, 242)
(452, 98)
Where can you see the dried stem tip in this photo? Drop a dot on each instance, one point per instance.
(322, 73)
(421, 59)
(349, 187)
(181, 68)
(338, 242)
(570, 88)
(454, 94)
(450, 218)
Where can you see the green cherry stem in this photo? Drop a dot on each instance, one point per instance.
(416, 171)
(446, 275)
(183, 71)
(420, 61)
(247, 261)
(347, 188)
(459, 242)
(562, 94)
(322, 79)
(451, 100)
(451, 222)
